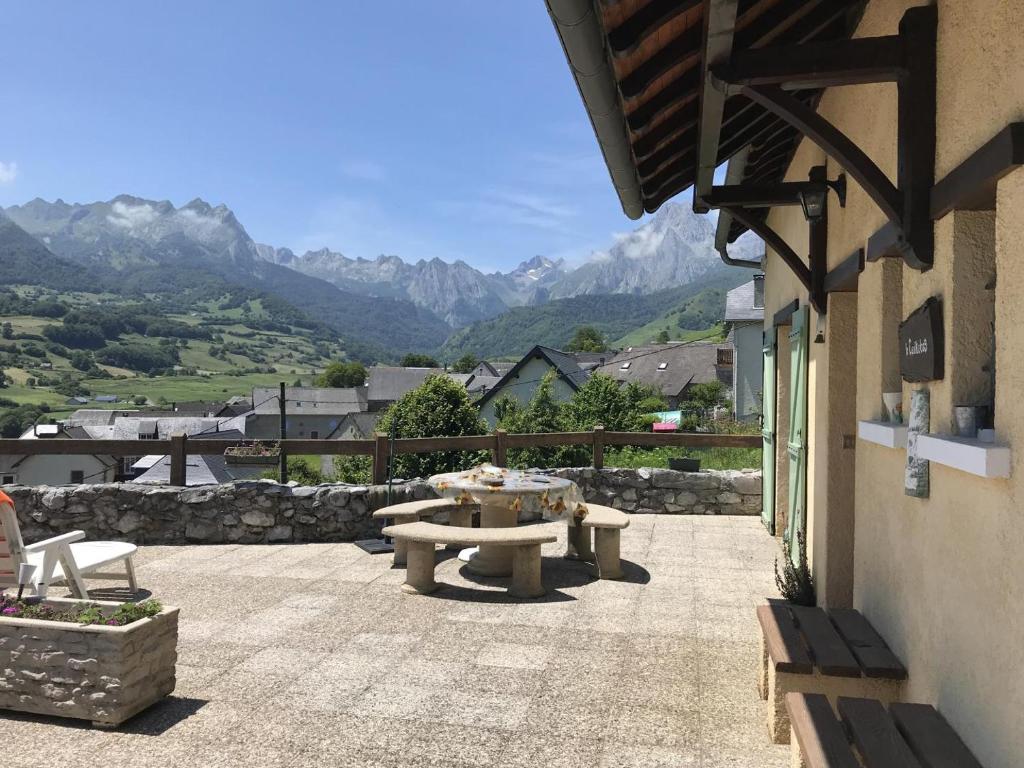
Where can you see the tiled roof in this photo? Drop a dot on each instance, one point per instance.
(669, 368)
(739, 304)
(325, 401)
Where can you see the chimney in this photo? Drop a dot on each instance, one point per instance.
(758, 291)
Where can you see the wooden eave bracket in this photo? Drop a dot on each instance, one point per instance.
(766, 75)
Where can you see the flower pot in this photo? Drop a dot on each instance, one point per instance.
(268, 459)
(93, 672)
(684, 465)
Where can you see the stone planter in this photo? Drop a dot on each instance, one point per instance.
(95, 672)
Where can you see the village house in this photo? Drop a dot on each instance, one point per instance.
(523, 378)
(57, 469)
(671, 369)
(876, 147)
(744, 320)
(310, 412)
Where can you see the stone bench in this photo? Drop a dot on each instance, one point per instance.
(810, 650)
(606, 522)
(412, 511)
(907, 736)
(421, 537)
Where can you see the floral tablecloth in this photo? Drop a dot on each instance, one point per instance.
(558, 498)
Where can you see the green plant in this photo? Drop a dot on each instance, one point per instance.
(81, 613)
(795, 582)
(587, 339)
(342, 375)
(352, 469)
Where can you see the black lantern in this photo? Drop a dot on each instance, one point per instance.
(813, 194)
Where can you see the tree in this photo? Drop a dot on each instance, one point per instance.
(587, 339)
(415, 360)
(663, 336)
(439, 407)
(601, 400)
(706, 397)
(82, 360)
(542, 414)
(466, 363)
(339, 374)
(8, 331)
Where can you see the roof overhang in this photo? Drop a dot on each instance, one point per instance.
(642, 69)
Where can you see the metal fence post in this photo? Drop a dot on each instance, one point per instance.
(599, 447)
(380, 458)
(179, 454)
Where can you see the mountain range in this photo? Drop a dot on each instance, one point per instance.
(380, 307)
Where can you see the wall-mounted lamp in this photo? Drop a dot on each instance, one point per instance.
(813, 195)
(819, 332)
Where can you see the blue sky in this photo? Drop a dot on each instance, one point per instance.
(449, 128)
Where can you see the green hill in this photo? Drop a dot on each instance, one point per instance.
(615, 316)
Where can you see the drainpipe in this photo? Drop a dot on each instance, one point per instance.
(733, 175)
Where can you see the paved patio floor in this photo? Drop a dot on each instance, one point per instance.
(309, 655)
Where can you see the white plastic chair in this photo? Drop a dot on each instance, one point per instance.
(60, 559)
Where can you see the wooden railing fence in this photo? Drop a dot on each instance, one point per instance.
(498, 443)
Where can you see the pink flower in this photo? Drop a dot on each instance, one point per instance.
(11, 610)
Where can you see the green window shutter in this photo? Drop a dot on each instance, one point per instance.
(768, 394)
(797, 447)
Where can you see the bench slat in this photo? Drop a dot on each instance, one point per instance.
(820, 736)
(830, 653)
(409, 508)
(867, 645)
(785, 648)
(931, 738)
(874, 734)
(447, 534)
(599, 516)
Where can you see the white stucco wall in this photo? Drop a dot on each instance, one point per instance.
(747, 377)
(524, 386)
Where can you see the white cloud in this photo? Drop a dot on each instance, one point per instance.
(131, 216)
(515, 207)
(8, 172)
(640, 244)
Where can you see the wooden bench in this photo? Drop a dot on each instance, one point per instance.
(810, 650)
(606, 522)
(412, 511)
(907, 736)
(421, 537)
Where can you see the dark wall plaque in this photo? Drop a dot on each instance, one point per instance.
(922, 343)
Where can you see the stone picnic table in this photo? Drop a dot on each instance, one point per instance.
(500, 493)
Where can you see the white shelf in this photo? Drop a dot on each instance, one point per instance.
(975, 456)
(883, 433)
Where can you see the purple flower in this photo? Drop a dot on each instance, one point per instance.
(113, 622)
(11, 610)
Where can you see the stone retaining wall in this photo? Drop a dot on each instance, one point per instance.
(261, 511)
(661, 491)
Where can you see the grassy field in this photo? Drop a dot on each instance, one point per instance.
(648, 334)
(710, 458)
(225, 365)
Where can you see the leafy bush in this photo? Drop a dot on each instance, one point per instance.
(439, 407)
(76, 336)
(353, 469)
(795, 582)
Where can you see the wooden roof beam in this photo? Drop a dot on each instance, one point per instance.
(774, 241)
(631, 33)
(817, 65)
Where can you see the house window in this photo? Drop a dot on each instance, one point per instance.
(662, 366)
(77, 476)
(625, 366)
(7, 479)
(725, 357)
(314, 435)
